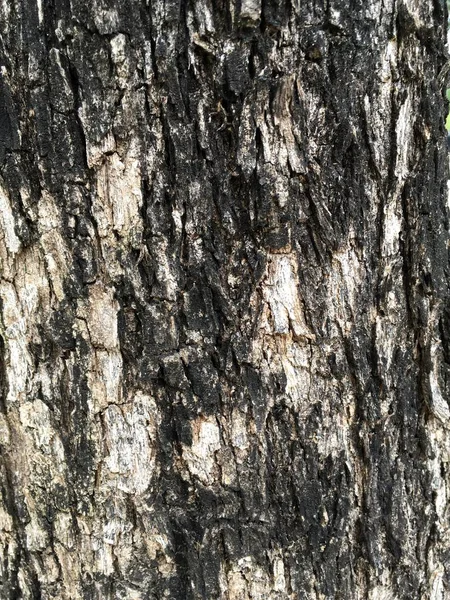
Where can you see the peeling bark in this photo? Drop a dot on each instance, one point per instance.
(225, 359)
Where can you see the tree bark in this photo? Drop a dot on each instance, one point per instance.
(224, 300)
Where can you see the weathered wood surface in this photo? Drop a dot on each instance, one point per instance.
(224, 300)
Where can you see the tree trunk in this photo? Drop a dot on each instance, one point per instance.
(224, 300)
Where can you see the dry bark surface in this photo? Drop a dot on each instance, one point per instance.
(224, 300)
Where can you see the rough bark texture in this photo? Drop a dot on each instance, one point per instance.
(224, 300)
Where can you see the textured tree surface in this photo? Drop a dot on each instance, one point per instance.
(224, 300)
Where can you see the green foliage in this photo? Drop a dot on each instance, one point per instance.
(447, 121)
